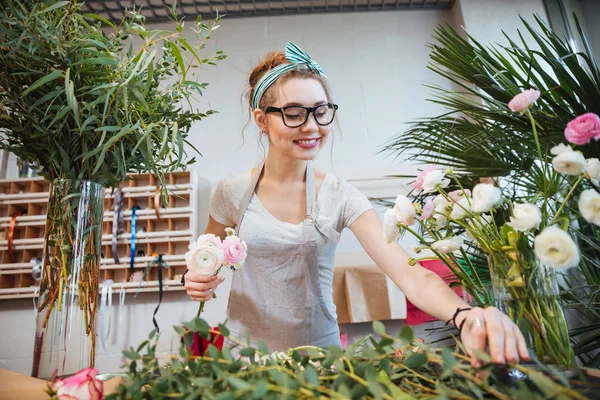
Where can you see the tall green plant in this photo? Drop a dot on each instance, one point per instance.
(83, 98)
(479, 136)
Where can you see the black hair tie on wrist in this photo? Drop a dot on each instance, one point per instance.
(183, 277)
(453, 319)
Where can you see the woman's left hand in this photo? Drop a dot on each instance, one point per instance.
(490, 328)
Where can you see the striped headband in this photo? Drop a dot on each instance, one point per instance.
(297, 59)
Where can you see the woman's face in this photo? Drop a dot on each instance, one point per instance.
(303, 142)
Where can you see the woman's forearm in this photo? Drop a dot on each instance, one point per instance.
(428, 292)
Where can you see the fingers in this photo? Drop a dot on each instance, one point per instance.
(478, 334)
(495, 332)
(521, 344)
(201, 288)
(510, 340)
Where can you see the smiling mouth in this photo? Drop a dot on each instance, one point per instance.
(308, 143)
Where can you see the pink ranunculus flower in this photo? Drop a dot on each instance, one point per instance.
(457, 195)
(204, 261)
(583, 129)
(418, 184)
(81, 386)
(524, 100)
(235, 251)
(427, 210)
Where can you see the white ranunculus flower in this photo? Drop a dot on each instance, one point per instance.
(525, 217)
(461, 209)
(556, 248)
(433, 180)
(485, 197)
(391, 233)
(448, 245)
(567, 161)
(561, 148)
(589, 206)
(405, 212)
(593, 170)
(208, 240)
(441, 210)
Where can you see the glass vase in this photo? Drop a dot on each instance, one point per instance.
(527, 291)
(67, 303)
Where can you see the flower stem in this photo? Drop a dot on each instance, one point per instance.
(200, 309)
(567, 198)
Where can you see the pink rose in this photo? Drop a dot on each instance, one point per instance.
(234, 251)
(524, 100)
(418, 184)
(583, 129)
(81, 386)
(204, 261)
(427, 210)
(457, 195)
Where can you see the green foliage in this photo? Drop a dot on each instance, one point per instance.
(83, 98)
(387, 369)
(478, 136)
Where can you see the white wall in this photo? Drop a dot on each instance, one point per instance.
(590, 13)
(376, 63)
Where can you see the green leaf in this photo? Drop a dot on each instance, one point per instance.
(180, 331)
(179, 59)
(379, 328)
(213, 351)
(262, 347)
(58, 4)
(132, 355)
(406, 334)
(311, 375)
(261, 390)
(101, 19)
(224, 331)
(449, 361)
(415, 360)
(248, 352)
(42, 81)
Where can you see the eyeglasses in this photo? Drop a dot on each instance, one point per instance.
(295, 116)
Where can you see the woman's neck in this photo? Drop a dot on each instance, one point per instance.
(282, 169)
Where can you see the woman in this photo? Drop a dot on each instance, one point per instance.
(291, 214)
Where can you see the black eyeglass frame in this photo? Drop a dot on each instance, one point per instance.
(309, 110)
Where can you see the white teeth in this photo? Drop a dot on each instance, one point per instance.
(307, 141)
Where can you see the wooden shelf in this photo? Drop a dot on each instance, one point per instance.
(169, 233)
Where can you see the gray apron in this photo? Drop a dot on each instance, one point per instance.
(276, 295)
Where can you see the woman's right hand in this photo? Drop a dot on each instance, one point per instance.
(201, 288)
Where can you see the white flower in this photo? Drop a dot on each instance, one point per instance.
(391, 233)
(405, 212)
(525, 217)
(433, 180)
(589, 206)
(593, 170)
(208, 240)
(461, 209)
(204, 261)
(441, 210)
(485, 197)
(567, 161)
(556, 248)
(448, 245)
(561, 148)
(230, 231)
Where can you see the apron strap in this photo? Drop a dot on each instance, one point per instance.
(247, 196)
(310, 190)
